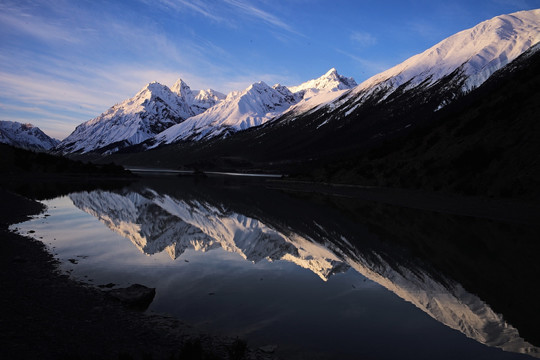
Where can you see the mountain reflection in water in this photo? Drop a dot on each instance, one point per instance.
(259, 224)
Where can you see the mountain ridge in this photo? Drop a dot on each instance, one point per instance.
(26, 136)
(252, 107)
(153, 109)
(156, 108)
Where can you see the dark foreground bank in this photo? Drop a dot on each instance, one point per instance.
(46, 315)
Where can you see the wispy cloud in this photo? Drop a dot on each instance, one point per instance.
(363, 38)
(260, 14)
(16, 19)
(200, 7)
(52, 122)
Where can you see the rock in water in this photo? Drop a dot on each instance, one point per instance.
(135, 296)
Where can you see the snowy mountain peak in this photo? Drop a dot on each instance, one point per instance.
(330, 81)
(254, 106)
(477, 52)
(198, 100)
(205, 99)
(331, 72)
(153, 109)
(258, 86)
(182, 89)
(210, 94)
(152, 89)
(240, 110)
(156, 90)
(25, 136)
(282, 90)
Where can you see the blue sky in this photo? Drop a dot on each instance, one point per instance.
(63, 62)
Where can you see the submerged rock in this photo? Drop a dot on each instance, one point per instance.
(135, 296)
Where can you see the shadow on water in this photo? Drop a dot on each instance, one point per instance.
(462, 271)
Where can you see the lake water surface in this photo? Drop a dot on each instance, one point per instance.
(319, 277)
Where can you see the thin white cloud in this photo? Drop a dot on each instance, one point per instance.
(363, 38)
(33, 88)
(257, 13)
(53, 123)
(39, 111)
(197, 6)
(15, 19)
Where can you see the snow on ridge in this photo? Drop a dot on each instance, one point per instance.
(150, 111)
(331, 81)
(179, 113)
(26, 136)
(254, 106)
(197, 100)
(479, 51)
(153, 109)
(240, 110)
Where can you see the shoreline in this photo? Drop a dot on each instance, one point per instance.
(47, 315)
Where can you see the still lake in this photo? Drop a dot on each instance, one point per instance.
(320, 277)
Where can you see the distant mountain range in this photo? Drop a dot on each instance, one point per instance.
(254, 106)
(160, 115)
(25, 136)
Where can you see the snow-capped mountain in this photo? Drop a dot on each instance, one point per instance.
(254, 106)
(152, 110)
(434, 78)
(473, 55)
(25, 136)
(157, 222)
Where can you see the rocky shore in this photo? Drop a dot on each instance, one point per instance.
(46, 315)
